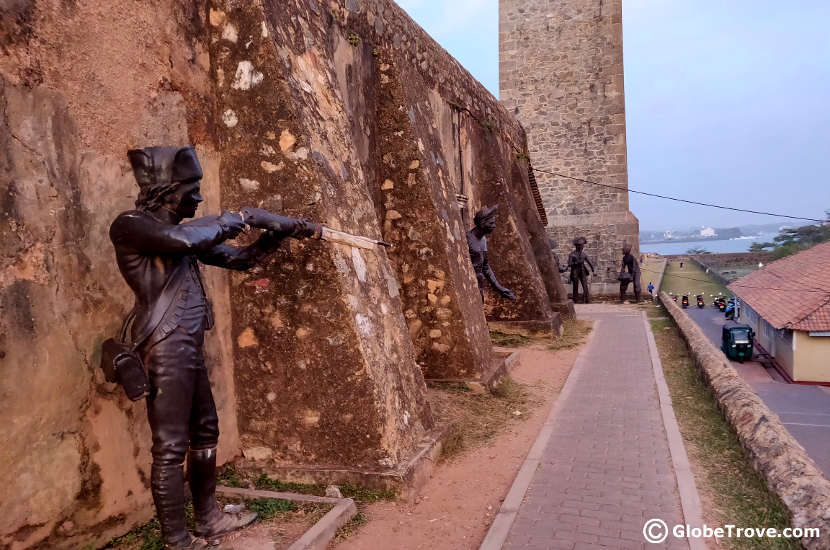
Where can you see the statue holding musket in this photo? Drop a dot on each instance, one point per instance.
(158, 254)
(485, 223)
(579, 272)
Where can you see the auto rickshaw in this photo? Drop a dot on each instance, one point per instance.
(685, 301)
(737, 341)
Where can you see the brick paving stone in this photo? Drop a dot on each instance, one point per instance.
(607, 467)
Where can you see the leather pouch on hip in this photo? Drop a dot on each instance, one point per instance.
(122, 364)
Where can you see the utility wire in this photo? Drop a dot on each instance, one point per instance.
(677, 199)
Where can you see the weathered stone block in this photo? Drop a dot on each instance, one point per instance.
(325, 369)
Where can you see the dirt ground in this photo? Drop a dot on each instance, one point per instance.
(455, 508)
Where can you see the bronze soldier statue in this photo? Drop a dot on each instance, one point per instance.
(579, 273)
(629, 273)
(485, 223)
(158, 255)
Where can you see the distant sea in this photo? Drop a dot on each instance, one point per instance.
(741, 244)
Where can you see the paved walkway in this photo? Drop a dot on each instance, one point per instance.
(607, 467)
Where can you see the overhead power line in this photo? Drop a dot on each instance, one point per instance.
(678, 199)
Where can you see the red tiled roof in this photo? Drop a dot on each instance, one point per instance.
(793, 292)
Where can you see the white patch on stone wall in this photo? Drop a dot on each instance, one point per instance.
(246, 76)
(406, 418)
(229, 33)
(359, 264)
(264, 30)
(248, 185)
(364, 324)
(387, 462)
(341, 265)
(267, 150)
(271, 397)
(392, 285)
(229, 118)
(300, 154)
(450, 236)
(270, 167)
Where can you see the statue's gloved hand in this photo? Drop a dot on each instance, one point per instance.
(304, 228)
(507, 294)
(262, 219)
(232, 224)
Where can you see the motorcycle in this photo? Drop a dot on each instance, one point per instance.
(729, 311)
(685, 302)
(700, 302)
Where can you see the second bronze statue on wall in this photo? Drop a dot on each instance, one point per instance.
(485, 223)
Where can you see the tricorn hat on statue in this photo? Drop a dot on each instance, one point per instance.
(486, 214)
(580, 241)
(158, 170)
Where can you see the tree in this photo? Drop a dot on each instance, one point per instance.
(792, 240)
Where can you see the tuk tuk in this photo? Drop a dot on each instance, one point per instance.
(737, 341)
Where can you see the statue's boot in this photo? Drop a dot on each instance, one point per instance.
(211, 521)
(167, 485)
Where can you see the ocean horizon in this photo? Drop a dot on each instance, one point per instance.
(738, 244)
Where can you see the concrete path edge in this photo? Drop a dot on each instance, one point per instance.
(689, 497)
(322, 532)
(500, 528)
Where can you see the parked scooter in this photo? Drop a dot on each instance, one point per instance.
(684, 301)
(729, 311)
(700, 302)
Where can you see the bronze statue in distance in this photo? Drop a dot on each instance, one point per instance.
(158, 255)
(579, 273)
(485, 223)
(629, 273)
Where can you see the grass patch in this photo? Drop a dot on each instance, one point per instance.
(574, 332)
(691, 280)
(268, 508)
(143, 537)
(265, 483)
(508, 340)
(475, 418)
(359, 494)
(352, 526)
(230, 476)
(733, 492)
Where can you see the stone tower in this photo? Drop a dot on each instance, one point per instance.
(561, 73)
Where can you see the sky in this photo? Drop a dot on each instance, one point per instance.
(726, 102)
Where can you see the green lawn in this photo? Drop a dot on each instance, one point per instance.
(691, 280)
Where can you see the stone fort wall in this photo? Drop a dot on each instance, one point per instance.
(561, 74)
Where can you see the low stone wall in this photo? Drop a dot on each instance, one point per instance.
(710, 271)
(774, 452)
